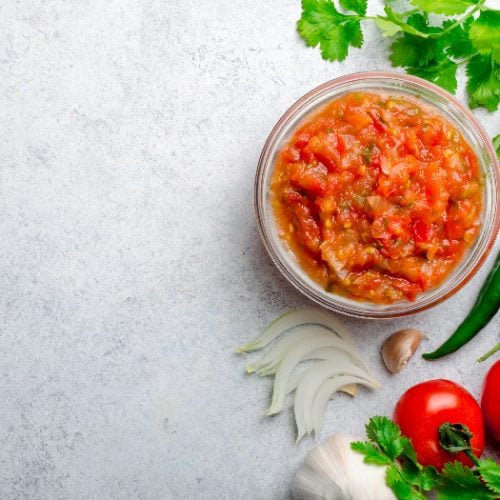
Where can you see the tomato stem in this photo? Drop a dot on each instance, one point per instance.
(456, 438)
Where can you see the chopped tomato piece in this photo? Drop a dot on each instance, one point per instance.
(312, 178)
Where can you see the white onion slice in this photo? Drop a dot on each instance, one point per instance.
(292, 319)
(311, 334)
(319, 353)
(332, 354)
(310, 385)
(326, 391)
(297, 352)
(279, 350)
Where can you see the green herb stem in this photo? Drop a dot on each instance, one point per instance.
(492, 351)
(459, 21)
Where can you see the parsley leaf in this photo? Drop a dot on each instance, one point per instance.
(485, 34)
(448, 7)
(483, 83)
(490, 473)
(321, 23)
(358, 6)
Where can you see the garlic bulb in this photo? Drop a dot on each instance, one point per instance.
(333, 471)
(400, 347)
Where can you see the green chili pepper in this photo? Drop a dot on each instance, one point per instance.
(484, 309)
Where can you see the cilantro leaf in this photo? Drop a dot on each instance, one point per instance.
(442, 73)
(393, 23)
(372, 454)
(358, 6)
(412, 50)
(485, 34)
(496, 144)
(483, 82)
(322, 24)
(428, 478)
(386, 434)
(458, 482)
(353, 28)
(490, 473)
(401, 488)
(404, 52)
(424, 57)
(457, 42)
(425, 478)
(448, 7)
(421, 23)
(411, 473)
(408, 450)
(388, 27)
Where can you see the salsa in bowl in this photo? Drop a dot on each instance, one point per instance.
(376, 195)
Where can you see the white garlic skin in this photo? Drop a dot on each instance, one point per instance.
(333, 471)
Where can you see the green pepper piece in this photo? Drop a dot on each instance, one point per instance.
(485, 307)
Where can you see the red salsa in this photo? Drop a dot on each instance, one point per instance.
(378, 197)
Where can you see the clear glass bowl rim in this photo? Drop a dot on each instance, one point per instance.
(281, 256)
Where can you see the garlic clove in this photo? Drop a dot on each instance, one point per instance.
(399, 347)
(351, 389)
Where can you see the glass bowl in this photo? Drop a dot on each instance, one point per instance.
(397, 85)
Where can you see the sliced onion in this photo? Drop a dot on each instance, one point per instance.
(307, 335)
(332, 354)
(312, 334)
(325, 393)
(279, 350)
(292, 319)
(310, 385)
(297, 352)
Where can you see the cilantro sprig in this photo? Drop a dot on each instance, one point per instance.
(409, 480)
(428, 50)
(386, 446)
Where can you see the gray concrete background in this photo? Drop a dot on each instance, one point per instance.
(130, 265)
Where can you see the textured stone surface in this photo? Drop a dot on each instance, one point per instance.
(130, 265)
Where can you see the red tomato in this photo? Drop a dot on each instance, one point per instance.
(490, 402)
(424, 407)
